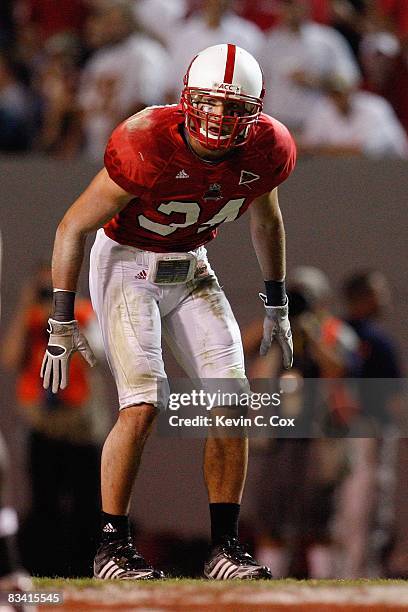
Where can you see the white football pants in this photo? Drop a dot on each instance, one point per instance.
(196, 319)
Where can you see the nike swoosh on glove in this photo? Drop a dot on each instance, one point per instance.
(65, 339)
(276, 326)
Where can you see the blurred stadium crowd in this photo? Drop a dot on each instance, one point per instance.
(336, 73)
(329, 506)
(336, 70)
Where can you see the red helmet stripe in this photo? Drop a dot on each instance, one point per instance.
(230, 65)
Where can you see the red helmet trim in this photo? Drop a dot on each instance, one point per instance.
(230, 65)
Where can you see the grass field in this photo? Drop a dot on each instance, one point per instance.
(201, 595)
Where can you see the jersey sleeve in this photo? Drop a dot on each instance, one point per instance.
(123, 162)
(282, 157)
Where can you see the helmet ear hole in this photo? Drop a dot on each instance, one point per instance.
(222, 74)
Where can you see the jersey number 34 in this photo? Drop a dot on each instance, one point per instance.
(191, 210)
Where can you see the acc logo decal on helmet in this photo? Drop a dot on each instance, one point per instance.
(228, 87)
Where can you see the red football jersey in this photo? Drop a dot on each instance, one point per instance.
(180, 199)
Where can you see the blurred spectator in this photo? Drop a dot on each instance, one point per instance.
(11, 576)
(396, 563)
(367, 298)
(56, 82)
(15, 109)
(214, 25)
(160, 17)
(47, 17)
(384, 54)
(392, 15)
(266, 13)
(301, 476)
(378, 51)
(384, 59)
(348, 17)
(298, 56)
(127, 72)
(36, 21)
(396, 86)
(354, 122)
(65, 433)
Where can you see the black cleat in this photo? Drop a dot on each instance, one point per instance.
(119, 560)
(230, 561)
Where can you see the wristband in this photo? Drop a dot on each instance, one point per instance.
(63, 305)
(275, 293)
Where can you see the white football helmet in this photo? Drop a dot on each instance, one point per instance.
(222, 96)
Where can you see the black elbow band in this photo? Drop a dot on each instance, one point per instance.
(275, 293)
(63, 306)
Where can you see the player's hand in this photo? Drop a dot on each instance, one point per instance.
(277, 327)
(65, 339)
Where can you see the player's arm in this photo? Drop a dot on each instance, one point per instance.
(268, 239)
(101, 201)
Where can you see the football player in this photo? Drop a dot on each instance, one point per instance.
(172, 175)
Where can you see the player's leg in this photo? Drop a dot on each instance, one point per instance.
(117, 556)
(130, 322)
(225, 465)
(121, 456)
(206, 339)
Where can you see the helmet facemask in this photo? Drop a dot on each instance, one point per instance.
(219, 130)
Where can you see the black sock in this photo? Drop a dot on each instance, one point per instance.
(224, 522)
(114, 526)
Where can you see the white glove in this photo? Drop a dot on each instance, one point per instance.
(65, 339)
(276, 325)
